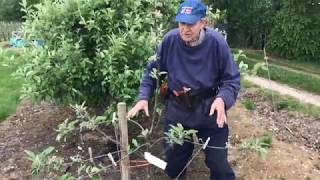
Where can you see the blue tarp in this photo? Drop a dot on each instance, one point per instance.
(16, 41)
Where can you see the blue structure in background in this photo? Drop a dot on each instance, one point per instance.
(17, 41)
(38, 43)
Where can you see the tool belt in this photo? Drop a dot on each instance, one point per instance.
(191, 99)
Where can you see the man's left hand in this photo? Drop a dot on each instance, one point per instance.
(219, 107)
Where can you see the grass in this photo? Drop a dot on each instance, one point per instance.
(284, 101)
(310, 67)
(3, 44)
(9, 86)
(296, 78)
(292, 104)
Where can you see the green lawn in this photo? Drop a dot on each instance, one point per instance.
(294, 74)
(9, 86)
(310, 67)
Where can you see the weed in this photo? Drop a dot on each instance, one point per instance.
(249, 104)
(260, 144)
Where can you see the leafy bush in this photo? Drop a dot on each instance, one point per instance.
(94, 50)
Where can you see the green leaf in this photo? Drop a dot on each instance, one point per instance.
(135, 142)
(48, 151)
(31, 155)
(100, 118)
(145, 132)
(95, 170)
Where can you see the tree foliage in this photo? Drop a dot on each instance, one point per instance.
(95, 50)
(296, 31)
(249, 22)
(290, 28)
(10, 10)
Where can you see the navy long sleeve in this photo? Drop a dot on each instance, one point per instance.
(229, 77)
(148, 84)
(205, 66)
(208, 65)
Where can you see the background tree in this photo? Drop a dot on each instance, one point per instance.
(296, 31)
(249, 22)
(10, 10)
(291, 28)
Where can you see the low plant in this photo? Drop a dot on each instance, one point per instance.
(47, 166)
(248, 104)
(41, 163)
(286, 104)
(83, 121)
(177, 134)
(258, 144)
(247, 69)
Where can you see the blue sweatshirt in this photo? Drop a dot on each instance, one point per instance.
(208, 65)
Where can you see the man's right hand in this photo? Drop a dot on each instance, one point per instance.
(141, 105)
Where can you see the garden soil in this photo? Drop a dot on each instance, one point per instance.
(294, 154)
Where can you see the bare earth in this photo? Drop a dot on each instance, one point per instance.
(294, 154)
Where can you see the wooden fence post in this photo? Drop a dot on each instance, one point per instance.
(123, 126)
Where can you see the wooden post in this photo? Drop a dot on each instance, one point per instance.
(123, 126)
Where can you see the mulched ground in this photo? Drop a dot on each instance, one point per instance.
(288, 126)
(294, 153)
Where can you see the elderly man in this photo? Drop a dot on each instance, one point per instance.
(203, 83)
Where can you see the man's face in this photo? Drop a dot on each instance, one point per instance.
(190, 32)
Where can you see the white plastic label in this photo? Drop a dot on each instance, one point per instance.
(155, 161)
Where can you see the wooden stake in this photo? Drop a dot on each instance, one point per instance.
(123, 126)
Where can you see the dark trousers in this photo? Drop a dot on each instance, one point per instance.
(177, 156)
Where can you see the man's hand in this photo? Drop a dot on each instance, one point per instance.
(218, 106)
(141, 105)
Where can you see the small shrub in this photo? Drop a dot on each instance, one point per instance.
(286, 104)
(95, 50)
(282, 105)
(40, 161)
